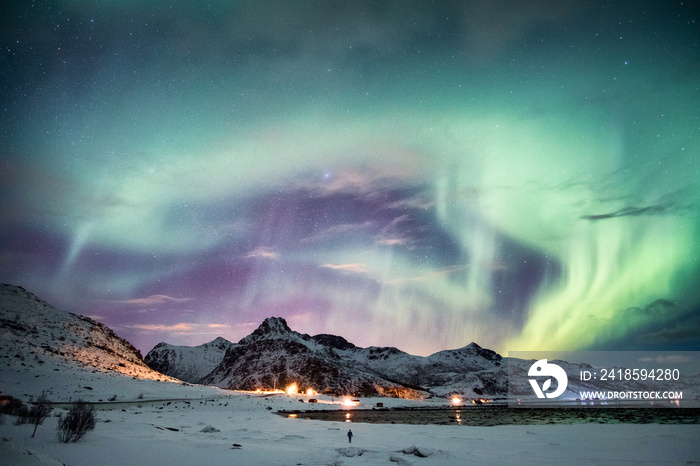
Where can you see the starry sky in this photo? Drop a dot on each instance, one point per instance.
(522, 174)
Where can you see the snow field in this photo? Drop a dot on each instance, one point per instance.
(245, 431)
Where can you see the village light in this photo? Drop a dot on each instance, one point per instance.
(292, 389)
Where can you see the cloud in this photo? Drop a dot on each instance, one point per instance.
(154, 300)
(217, 326)
(177, 328)
(421, 201)
(371, 181)
(629, 212)
(426, 277)
(354, 268)
(391, 235)
(182, 328)
(344, 229)
(679, 330)
(262, 253)
(392, 241)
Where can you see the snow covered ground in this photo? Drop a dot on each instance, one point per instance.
(221, 427)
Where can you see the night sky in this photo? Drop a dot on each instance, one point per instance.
(522, 174)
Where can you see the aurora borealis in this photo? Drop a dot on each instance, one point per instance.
(524, 175)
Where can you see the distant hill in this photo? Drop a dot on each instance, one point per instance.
(187, 363)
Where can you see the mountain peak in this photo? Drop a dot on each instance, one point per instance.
(219, 341)
(490, 355)
(272, 327)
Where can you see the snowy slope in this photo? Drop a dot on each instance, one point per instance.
(48, 344)
(187, 363)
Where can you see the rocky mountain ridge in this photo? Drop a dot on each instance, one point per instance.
(274, 356)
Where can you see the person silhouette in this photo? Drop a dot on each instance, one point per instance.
(350, 436)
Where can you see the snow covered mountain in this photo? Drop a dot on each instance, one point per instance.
(50, 347)
(37, 338)
(274, 356)
(35, 334)
(187, 363)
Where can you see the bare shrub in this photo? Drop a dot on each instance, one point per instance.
(21, 415)
(73, 425)
(39, 411)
